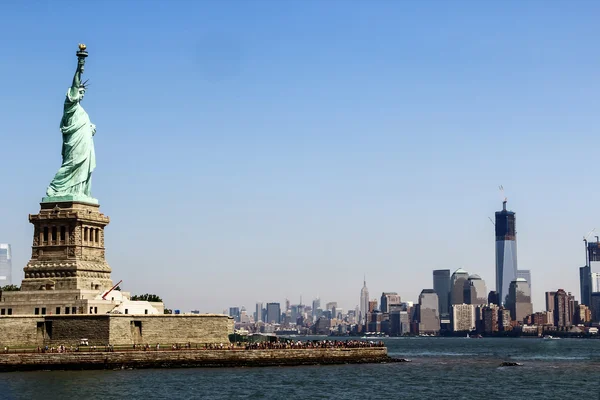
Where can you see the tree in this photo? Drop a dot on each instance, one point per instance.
(146, 297)
(10, 288)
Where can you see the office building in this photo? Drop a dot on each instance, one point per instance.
(595, 281)
(550, 301)
(475, 291)
(5, 265)
(519, 300)
(493, 298)
(235, 313)
(585, 284)
(273, 313)
(441, 285)
(258, 312)
(490, 318)
(457, 291)
(506, 251)
(463, 317)
(428, 315)
(504, 319)
(388, 299)
(364, 303)
(316, 309)
(525, 274)
(595, 307)
(562, 315)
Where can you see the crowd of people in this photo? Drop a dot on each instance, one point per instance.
(313, 344)
(263, 345)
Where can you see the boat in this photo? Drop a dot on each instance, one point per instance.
(550, 337)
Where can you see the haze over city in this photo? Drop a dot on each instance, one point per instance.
(257, 152)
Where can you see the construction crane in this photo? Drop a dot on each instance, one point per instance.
(111, 289)
(585, 242)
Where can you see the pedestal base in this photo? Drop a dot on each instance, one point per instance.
(81, 198)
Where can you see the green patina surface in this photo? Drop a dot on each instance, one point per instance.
(73, 181)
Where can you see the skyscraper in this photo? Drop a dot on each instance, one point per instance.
(5, 265)
(364, 302)
(525, 274)
(519, 300)
(475, 291)
(388, 299)
(562, 315)
(506, 251)
(457, 293)
(463, 317)
(441, 285)
(273, 313)
(258, 313)
(585, 285)
(429, 317)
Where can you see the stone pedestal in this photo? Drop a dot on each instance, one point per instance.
(68, 248)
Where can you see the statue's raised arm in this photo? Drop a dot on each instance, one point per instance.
(73, 181)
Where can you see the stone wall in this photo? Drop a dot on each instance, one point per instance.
(19, 331)
(190, 358)
(115, 329)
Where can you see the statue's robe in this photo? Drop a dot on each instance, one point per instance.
(78, 156)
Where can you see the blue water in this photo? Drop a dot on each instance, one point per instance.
(441, 368)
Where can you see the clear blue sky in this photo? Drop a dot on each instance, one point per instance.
(252, 151)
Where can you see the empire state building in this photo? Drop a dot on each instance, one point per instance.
(364, 303)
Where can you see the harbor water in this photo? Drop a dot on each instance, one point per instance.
(441, 368)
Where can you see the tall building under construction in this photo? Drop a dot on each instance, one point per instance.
(506, 251)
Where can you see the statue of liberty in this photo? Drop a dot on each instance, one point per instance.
(73, 181)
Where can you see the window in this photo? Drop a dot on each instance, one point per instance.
(43, 310)
(54, 236)
(126, 311)
(63, 233)
(10, 311)
(85, 234)
(67, 309)
(95, 310)
(73, 310)
(145, 311)
(46, 235)
(36, 311)
(91, 309)
(3, 311)
(57, 310)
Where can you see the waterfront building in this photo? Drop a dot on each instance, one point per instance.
(273, 313)
(550, 301)
(584, 314)
(504, 319)
(475, 291)
(585, 284)
(5, 265)
(490, 318)
(364, 303)
(457, 291)
(387, 299)
(442, 286)
(595, 307)
(519, 300)
(562, 317)
(463, 317)
(428, 315)
(506, 251)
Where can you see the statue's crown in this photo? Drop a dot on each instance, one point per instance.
(84, 85)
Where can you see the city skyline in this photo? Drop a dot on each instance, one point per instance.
(301, 143)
